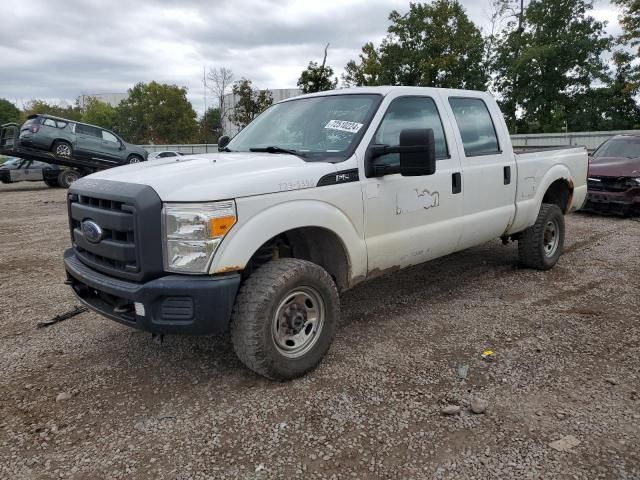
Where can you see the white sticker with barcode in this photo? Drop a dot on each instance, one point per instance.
(344, 126)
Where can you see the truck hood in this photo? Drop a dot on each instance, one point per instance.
(218, 176)
(615, 167)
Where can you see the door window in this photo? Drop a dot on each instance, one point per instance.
(109, 137)
(409, 113)
(476, 126)
(88, 130)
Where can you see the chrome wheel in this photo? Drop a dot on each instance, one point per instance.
(63, 150)
(551, 237)
(298, 321)
(134, 160)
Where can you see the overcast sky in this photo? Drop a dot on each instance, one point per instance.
(58, 50)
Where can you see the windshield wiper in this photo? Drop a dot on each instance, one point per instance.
(276, 149)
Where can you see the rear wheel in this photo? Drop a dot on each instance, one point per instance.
(67, 177)
(541, 245)
(62, 149)
(285, 318)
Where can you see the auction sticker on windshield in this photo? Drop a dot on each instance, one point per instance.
(344, 126)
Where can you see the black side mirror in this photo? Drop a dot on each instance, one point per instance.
(419, 155)
(223, 141)
(417, 151)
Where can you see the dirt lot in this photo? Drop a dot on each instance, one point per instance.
(566, 342)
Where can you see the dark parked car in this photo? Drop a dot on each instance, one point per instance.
(68, 138)
(19, 170)
(614, 176)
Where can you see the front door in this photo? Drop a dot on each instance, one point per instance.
(110, 146)
(409, 220)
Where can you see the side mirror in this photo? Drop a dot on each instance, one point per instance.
(419, 155)
(223, 141)
(417, 151)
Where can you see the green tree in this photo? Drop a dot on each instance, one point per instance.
(546, 60)
(8, 112)
(156, 113)
(71, 112)
(99, 113)
(317, 78)
(250, 102)
(433, 45)
(630, 22)
(210, 126)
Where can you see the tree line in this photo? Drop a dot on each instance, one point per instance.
(551, 65)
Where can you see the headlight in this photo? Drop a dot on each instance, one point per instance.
(636, 180)
(192, 233)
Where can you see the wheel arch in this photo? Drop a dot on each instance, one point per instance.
(305, 229)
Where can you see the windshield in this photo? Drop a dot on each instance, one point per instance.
(324, 128)
(626, 147)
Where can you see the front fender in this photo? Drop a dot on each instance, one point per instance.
(247, 236)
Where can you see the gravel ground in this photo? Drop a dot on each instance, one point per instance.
(566, 346)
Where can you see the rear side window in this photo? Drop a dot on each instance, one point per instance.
(409, 112)
(49, 122)
(476, 126)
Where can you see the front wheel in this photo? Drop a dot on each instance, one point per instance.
(541, 245)
(284, 318)
(134, 159)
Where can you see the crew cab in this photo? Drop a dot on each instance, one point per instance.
(319, 193)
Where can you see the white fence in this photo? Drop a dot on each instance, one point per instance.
(591, 140)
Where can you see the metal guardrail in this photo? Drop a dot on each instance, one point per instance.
(591, 140)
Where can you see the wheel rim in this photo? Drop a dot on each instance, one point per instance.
(298, 321)
(63, 150)
(134, 160)
(551, 237)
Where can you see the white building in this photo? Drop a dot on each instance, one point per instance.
(230, 101)
(112, 99)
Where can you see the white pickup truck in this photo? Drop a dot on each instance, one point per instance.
(316, 195)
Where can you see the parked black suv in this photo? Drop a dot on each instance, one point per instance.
(68, 138)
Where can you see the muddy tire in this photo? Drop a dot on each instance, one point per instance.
(67, 177)
(284, 318)
(541, 245)
(62, 149)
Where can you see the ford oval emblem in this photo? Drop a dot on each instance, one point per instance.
(92, 231)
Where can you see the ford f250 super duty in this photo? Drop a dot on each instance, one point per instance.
(319, 193)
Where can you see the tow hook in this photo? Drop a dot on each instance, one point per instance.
(157, 338)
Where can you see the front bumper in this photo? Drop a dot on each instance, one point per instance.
(614, 202)
(174, 304)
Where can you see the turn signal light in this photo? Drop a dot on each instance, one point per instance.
(219, 226)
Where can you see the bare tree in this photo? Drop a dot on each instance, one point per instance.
(221, 81)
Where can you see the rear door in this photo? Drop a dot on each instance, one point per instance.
(88, 141)
(488, 169)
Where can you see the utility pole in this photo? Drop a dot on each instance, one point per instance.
(204, 118)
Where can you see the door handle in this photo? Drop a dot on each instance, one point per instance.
(507, 175)
(456, 183)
